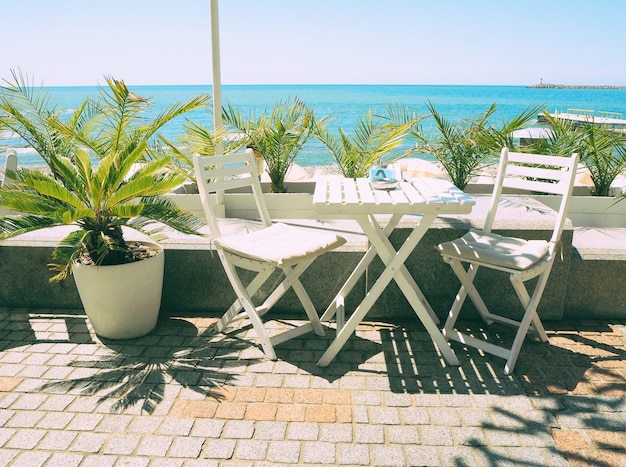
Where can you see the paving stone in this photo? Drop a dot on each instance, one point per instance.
(287, 452)
(397, 400)
(28, 402)
(88, 442)
(85, 422)
(6, 455)
(24, 419)
(403, 434)
(457, 400)
(458, 455)
(65, 459)
(296, 381)
(367, 398)
(475, 417)
(340, 415)
(422, 455)
(303, 431)
(99, 461)
(414, 416)
(353, 454)
(469, 436)
(528, 456)
(208, 428)
(337, 433)
(25, 439)
(437, 436)
(388, 455)
(537, 437)
(186, 447)
(132, 462)
(219, 449)
(385, 415)
(155, 446)
(55, 421)
(270, 430)
(31, 459)
(251, 449)
(57, 402)
(369, 434)
(444, 416)
(238, 429)
(353, 383)
(56, 440)
(5, 435)
(502, 437)
(113, 424)
(122, 444)
(176, 426)
(319, 453)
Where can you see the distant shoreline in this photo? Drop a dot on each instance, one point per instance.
(571, 86)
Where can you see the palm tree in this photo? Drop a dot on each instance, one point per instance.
(95, 181)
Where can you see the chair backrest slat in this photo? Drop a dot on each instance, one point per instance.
(216, 174)
(536, 173)
(536, 186)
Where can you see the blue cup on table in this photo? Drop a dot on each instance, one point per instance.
(382, 174)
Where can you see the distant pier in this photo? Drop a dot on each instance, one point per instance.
(571, 86)
(581, 116)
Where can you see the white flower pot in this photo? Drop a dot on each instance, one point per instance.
(122, 301)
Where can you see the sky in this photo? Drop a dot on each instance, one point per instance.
(146, 42)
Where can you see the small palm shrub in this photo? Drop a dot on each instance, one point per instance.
(375, 138)
(278, 135)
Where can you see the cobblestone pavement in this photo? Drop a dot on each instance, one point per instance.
(184, 396)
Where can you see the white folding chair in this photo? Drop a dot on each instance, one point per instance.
(521, 259)
(274, 246)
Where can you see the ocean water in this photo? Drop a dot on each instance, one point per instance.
(347, 103)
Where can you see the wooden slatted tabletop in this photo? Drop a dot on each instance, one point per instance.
(427, 195)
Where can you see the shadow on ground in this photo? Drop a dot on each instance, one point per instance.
(133, 374)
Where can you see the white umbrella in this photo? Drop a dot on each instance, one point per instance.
(217, 79)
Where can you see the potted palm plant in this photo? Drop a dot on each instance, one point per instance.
(102, 179)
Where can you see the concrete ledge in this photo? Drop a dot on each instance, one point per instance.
(597, 278)
(580, 285)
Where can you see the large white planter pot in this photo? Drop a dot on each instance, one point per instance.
(122, 301)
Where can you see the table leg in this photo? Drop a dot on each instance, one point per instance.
(406, 282)
(360, 312)
(360, 269)
(394, 269)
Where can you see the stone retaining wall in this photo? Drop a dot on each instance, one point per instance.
(588, 282)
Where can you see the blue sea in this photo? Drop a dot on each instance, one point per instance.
(347, 103)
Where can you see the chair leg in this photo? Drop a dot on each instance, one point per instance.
(467, 280)
(309, 308)
(530, 316)
(525, 299)
(234, 311)
(245, 300)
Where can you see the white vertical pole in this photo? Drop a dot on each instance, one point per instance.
(217, 79)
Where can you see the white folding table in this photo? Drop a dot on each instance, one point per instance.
(357, 199)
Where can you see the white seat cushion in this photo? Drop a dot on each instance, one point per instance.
(281, 244)
(491, 248)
